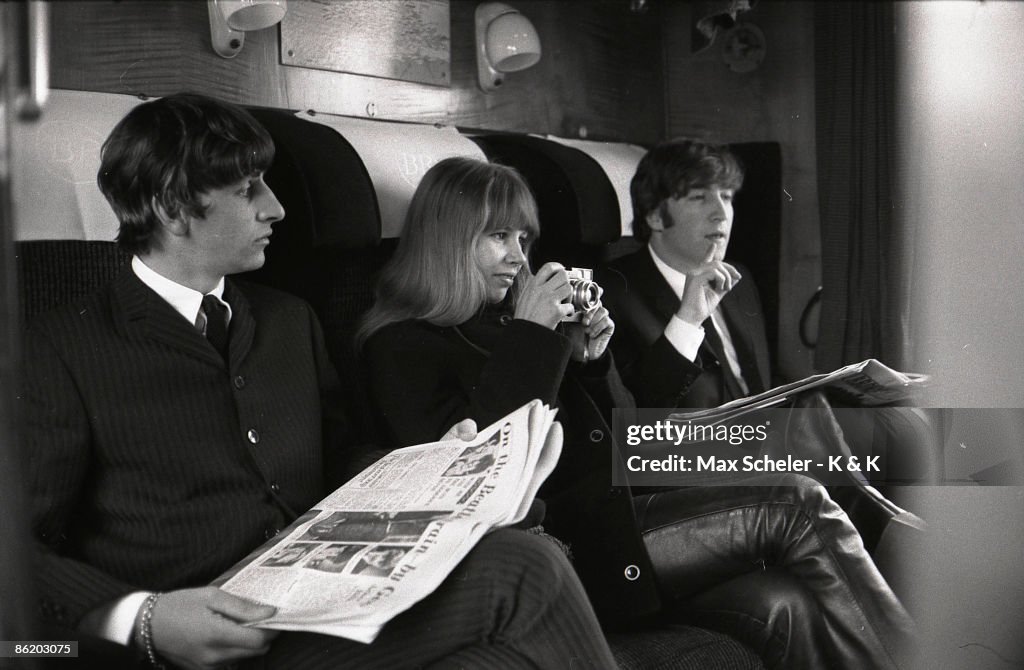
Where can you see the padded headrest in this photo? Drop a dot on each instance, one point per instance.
(576, 202)
(54, 191)
(396, 156)
(317, 175)
(619, 161)
(322, 183)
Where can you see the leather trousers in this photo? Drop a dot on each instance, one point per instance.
(775, 562)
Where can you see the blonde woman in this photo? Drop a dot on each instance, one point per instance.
(462, 327)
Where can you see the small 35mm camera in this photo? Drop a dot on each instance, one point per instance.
(586, 294)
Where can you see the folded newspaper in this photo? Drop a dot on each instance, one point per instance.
(388, 538)
(869, 383)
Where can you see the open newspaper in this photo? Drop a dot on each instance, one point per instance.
(391, 535)
(869, 383)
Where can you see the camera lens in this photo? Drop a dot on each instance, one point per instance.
(585, 295)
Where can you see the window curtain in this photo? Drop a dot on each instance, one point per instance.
(864, 242)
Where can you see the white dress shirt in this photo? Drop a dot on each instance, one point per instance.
(685, 337)
(185, 300)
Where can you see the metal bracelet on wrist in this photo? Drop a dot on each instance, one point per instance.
(146, 630)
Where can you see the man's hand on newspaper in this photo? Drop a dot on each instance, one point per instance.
(464, 430)
(201, 628)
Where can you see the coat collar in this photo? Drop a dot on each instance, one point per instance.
(140, 312)
(650, 282)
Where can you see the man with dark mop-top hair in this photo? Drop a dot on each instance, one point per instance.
(759, 557)
(691, 328)
(177, 419)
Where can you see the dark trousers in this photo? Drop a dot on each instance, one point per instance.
(513, 602)
(779, 566)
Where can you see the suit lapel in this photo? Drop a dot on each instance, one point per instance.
(141, 313)
(652, 283)
(243, 325)
(731, 388)
(740, 329)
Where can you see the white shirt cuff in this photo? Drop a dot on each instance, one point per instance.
(117, 623)
(685, 337)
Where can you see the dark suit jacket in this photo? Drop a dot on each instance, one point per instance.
(641, 302)
(425, 378)
(153, 464)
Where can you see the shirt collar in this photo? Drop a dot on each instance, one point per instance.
(676, 279)
(184, 300)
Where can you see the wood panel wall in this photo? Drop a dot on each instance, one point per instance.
(775, 102)
(600, 72)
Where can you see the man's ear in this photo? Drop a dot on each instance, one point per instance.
(174, 224)
(654, 221)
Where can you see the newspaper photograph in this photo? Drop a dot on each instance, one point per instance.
(387, 538)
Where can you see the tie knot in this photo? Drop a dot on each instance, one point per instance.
(212, 305)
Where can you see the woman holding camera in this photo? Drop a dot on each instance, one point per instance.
(461, 327)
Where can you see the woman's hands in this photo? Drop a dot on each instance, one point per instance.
(590, 337)
(544, 296)
(544, 301)
(599, 328)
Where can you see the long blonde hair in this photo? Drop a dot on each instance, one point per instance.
(434, 274)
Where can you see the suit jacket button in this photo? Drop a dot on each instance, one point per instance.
(632, 573)
(614, 492)
(596, 435)
(239, 382)
(275, 487)
(253, 436)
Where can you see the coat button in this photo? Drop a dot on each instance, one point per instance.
(632, 573)
(253, 436)
(271, 532)
(275, 487)
(505, 319)
(596, 435)
(239, 382)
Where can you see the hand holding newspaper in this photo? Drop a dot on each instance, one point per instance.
(388, 538)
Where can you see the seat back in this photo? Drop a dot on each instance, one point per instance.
(65, 230)
(577, 204)
(327, 248)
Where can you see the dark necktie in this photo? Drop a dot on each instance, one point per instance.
(216, 324)
(731, 387)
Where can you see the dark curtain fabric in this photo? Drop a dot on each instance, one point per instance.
(863, 238)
